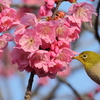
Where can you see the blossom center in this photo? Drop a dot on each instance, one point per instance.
(81, 12)
(59, 31)
(45, 30)
(31, 41)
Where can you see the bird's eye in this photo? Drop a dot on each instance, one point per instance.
(85, 56)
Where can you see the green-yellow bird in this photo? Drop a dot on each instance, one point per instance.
(91, 62)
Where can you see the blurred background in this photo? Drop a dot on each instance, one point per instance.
(13, 83)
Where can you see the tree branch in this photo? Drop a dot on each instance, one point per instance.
(75, 92)
(51, 94)
(29, 87)
(97, 24)
(56, 9)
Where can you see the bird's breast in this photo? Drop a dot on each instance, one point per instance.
(94, 73)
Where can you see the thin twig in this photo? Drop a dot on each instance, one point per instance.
(75, 92)
(29, 87)
(35, 92)
(51, 94)
(56, 9)
(97, 23)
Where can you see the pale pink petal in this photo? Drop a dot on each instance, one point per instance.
(30, 42)
(29, 20)
(46, 30)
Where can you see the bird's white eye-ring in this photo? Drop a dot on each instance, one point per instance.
(85, 56)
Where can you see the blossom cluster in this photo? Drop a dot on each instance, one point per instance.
(7, 15)
(43, 45)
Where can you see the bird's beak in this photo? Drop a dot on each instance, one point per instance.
(75, 57)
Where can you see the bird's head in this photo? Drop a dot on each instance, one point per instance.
(88, 58)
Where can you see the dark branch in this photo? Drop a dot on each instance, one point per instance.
(56, 9)
(97, 24)
(29, 87)
(35, 92)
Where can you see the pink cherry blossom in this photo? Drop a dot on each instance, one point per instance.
(65, 54)
(6, 23)
(40, 60)
(43, 46)
(46, 30)
(49, 3)
(7, 70)
(74, 33)
(29, 20)
(34, 2)
(8, 16)
(92, 0)
(82, 12)
(20, 30)
(6, 67)
(20, 57)
(44, 11)
(56, 65)
(10, 12)
(62, 32)
(65, 72)
(30, 42)
(43, 80)
(4, 39)
(5, 3)
(57, 45)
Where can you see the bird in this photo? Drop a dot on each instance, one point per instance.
(91, 62)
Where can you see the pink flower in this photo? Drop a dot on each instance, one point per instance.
(44, 11)
(57, 45)
(56, 65)
(39, 60)
(46, 30)
(29, 41)
(74, 33)
(29, 20)
(20, 30)
(5, 24)
(92, 0)
(33, 2)
(8, 17)
(49, 3)
(20, 57)
(4, 39)
(65, 54)
(82, 12)
(10, 12)
(5, 3)
(62, 32)
(7, 69)
(43, 80)
(8, 37)
(65, 72)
